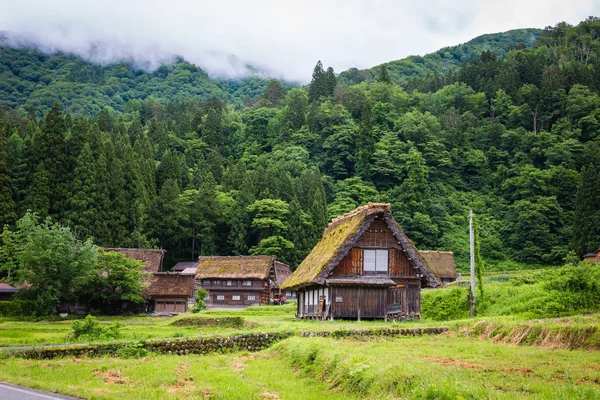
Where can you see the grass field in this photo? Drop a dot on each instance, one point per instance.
(436, 367)
(257, 319)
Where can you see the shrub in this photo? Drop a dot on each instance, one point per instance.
(200, 296)
(91, 329)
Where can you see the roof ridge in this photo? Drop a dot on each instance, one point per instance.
(358, 210)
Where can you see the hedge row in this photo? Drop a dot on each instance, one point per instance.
(249, 342)
(17, 308)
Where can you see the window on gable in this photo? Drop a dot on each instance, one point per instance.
(220, 297)
(375, 260)
(247, 283)
(235, 297)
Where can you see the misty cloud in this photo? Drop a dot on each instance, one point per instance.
(281, 38)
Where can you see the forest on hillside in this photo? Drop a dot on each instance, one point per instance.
(515, 138)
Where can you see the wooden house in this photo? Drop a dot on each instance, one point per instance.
(592, 257)
(441, 264)
(152, 258)
(7, 292)
(240, 280)
(363, 267)
(170, 292)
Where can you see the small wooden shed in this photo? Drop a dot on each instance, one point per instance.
(240, 280)
(7, 292)
(363, 267)
(592, 257)
(441, 264)
(171, 292)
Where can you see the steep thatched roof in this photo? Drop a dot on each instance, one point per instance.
(282, 271)
(166, 284)
(234, 267)
(152, 258)
(441, 263)
(339, 237)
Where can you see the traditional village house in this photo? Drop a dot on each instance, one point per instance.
(170, 292)
(240, 280)
(363, 267)
(592, 257)
(441, 264)
(152, 258)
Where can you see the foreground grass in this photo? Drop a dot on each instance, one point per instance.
(429, 367)
(440, 367)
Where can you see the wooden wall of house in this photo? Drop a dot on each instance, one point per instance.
(407, 293)
(251, 292)
(378, 235)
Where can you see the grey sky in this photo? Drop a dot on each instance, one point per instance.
(286, 37)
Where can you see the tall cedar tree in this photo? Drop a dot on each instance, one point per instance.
(318, 84)
(365, 143)
(384, 76)
(8, 208)
(586, 223)
(51, 149)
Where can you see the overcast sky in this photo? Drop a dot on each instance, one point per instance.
(286, 37)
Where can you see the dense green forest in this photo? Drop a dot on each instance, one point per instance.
(409, 72)
(515, 138)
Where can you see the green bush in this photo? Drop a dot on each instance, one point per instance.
(91, 329)
(200, 296)
(16, 308)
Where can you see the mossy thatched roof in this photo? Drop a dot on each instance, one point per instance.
(339, 237)
(441, 263)
(165, 284)
(234, 267)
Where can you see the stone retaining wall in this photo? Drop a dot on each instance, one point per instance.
(249, 342)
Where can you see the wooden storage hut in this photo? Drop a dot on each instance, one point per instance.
(152, 258)
(592, 257)
(363, 267)
(240, 280)
(441, 264)
(171, 292)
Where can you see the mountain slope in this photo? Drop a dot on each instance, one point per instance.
(30, 78)
(446, 59)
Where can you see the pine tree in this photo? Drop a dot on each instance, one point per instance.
(384, 76)
(8, 208)
(207, 213)
(365, 143)
(37, 198)
(318, 84)
(50, 148)
(82, 212)
(18, 169)
(240, 219)
(331, 82)
(586, 222)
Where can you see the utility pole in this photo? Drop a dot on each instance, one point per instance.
(472, 244)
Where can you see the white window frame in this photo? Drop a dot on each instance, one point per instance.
(247, 283)
(235, 297)
(252, 298)
(229, 283)
(220, 297)
(376, 260)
